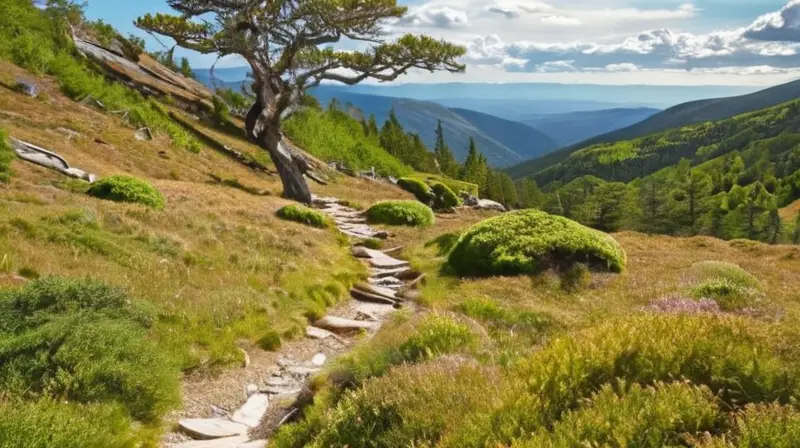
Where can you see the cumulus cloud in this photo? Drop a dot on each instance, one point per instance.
(770, 44)
(561, 20)
(433, 16)
(515, 9)
(782, 26)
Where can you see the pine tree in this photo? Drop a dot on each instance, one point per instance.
(774, 226)
(444, 156)
(530, 196)
(372, 126)
(474, 168)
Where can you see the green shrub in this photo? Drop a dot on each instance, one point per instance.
(742, 360)
(456, 185)
(444, 243)
(499, 318)
(706, 270)
(530, 241)
(270, 342)
(419, 189)
(444, 199)
(6, 157)
(729, 294)
(401, 213)
(127, 189)
(85, 342)
(643, 417)
(435, 336)
(414, 405)
(49, 423)
(767, 426)
(302, 214)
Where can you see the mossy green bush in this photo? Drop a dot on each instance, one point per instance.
(51, 423)
(6, 156)
(531, 241)
(762, 426)
(645, 417)
(401, 213)
(85, 342)
(712, 269)
(729, 285)
(270, 342)
(418, 188)
(302, 214)
(122, 188)
(444, 198)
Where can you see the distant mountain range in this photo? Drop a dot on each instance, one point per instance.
(503, 142)
(574, 127)
(675, 117)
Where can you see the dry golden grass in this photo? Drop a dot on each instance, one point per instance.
(216, 261)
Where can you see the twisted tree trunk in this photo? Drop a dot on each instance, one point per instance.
(289, 169)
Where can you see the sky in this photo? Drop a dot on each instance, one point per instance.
(658, 42)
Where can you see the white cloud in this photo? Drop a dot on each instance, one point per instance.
(783, 25)
(433, 16)
(684, 11)
(624, 67)
(561, 20)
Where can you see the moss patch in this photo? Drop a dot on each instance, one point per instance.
(532, 241)
(401, 213)
(418, 188)
(302, 214)
(122, 188)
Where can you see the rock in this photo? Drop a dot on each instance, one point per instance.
(319, 359)
(302, 371)
(287, 362)
(317, 333)
(340, 324)
(143, 134)
(360, 315)
(212, 428)
(278, 381)
(227, 442)
(251, 389)
(397, 272)
(469, 200)
(48, 159)
(360, 294)
(486, 204)
(280, 391)
(28, 88)
(382, 235)
(376, 290)
(252, 411)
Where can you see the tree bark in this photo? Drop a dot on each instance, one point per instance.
(294, 184)
(269, 138)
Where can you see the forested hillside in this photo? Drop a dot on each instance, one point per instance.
(675, 117)
(574, 127)
(727, 178)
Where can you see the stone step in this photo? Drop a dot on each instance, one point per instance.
(393, 272)
(340, 324)
(226, 442)
(252, 411)
(364, 296)
(317, 333)
(212, 428)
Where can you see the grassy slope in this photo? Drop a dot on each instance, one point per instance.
(675, 117)
(216, 261)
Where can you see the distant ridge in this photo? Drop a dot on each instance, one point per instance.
(678, 116)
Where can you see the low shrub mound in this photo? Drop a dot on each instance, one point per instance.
(6, 156)
(652, 417)
(730, 286)
(302, 214)
(122, 188)
(444, 198)
(401, 213)
(84, 342)
(531, 241)
(418, 188)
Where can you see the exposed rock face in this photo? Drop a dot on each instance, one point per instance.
(47, 159)
(469, 200)
(486, 204)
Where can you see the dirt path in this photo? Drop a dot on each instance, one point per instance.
(230, 409)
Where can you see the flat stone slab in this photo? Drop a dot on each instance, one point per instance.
(364, 296)
(302, 370)
(377, 290)
(340, 324)
(396, 272)
(317, 333)
(227, 442)
(253, 410)
(212, 428)
(280, 390)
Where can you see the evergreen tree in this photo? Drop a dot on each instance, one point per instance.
(372, 126)
(607, 207)
(444, 156)
(530, 196)
(474, 168)
(774, 226)
(796, 236)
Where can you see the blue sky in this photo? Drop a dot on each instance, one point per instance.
(734, 42)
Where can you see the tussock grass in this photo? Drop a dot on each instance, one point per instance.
(530, 241)
(127, 189)
(418, 188)
(6, 156)
(401, 213)
(302, 214)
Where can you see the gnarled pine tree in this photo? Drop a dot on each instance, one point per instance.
(288, 44)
